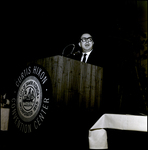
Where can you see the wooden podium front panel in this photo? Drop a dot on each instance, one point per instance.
(74, 84)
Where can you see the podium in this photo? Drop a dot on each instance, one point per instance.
(74, 84)
(65, 117)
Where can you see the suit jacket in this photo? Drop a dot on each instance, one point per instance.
(93, 58)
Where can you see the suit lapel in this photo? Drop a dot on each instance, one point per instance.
(90, 58)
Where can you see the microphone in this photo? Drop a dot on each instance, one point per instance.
(66, 47)
(76, 53)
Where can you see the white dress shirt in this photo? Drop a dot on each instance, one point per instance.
(88, 53)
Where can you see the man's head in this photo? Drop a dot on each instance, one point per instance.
(86, 42)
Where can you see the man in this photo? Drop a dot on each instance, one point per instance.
(87, 54)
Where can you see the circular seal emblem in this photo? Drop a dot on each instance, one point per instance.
(31, 100)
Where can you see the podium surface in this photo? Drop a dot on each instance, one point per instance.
(74, 83)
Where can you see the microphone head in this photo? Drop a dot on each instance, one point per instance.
(76, 53)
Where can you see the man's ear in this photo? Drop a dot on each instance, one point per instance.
(79, 44)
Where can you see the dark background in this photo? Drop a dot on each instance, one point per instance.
(37, 30)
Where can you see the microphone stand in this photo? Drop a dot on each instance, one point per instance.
(71, 51)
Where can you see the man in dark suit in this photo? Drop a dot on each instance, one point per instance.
(87, 54)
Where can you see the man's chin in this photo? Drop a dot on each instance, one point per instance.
(86, 50)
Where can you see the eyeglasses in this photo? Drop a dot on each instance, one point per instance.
(89, 39)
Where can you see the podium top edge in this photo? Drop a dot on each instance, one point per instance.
(60, 57)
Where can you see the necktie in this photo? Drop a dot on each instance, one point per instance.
(84, 58)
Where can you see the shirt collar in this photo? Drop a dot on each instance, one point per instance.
(87, 52)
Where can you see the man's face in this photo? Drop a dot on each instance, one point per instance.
(86, 42)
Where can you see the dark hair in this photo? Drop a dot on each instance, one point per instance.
(85, 33)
